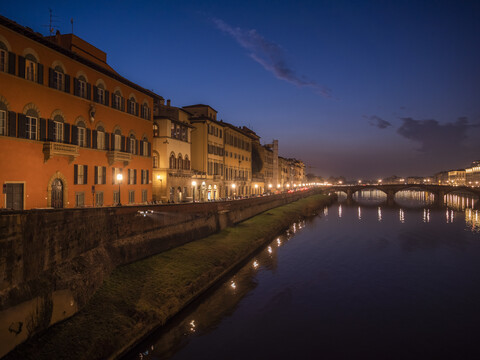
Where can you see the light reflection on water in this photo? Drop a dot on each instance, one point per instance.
(411, 272)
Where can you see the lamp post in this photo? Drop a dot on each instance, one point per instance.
(194, 185)
(233, 189)
(119, 180)
(256, 189)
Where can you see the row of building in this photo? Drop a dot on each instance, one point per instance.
(469, 176)
(74, 133)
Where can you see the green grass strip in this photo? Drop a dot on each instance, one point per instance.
(141, 296)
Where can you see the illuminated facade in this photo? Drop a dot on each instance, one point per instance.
(207, 153)
(472, 174)
(457, 177)
(172, 174)
(238, 161)
(69, 124)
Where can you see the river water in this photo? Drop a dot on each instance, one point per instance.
(359, 280)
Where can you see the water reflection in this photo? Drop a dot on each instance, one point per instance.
(460, 202)
(329, 279)
(204, 316)
(413, 198)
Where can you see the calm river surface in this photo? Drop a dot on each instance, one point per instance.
(358, 280)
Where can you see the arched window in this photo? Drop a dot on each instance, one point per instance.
(100, 138)
(145, 111)
(132, 144)
(180, 161)
(132, 106)
(172, 161)
(100, 94)
(31, 125)
(3, 57)
(81, 87)
(58, 128)
(58, 78)
(30, 67)
(155, 130)
(155, 159)
(117, 100)
(118, 140)
(186, 163)
(81, 131)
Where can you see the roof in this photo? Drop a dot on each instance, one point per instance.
(27, 32)
(200, 105)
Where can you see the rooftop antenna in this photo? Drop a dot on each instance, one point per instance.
(71, 22)
(51, 26)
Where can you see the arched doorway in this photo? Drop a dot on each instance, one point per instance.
(57, 194)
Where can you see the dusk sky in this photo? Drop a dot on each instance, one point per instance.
(363, 89)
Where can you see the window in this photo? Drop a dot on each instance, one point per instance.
(99, 198)
(30, 68)
(172, 161)
(144, 177)
(186, 163)
(58, 128)
(79, 199)
(145, 112)
(116, 197)
(31, 128)
(133, 144)
(144, 196)
(80, 174)
(82, 86)
(3, 122)
(101, 94)
(131, 196)
(82, 141)
(155, 130)
(118, 140)
(58, 78)
(100, 138)
(117, 100)
(180, 161)
(3, 57)
(145, 146)
(155, 160)
(132, 176)
(132, 106)
(100, 175)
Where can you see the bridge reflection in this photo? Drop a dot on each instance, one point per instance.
(452, 204)
(410, 198)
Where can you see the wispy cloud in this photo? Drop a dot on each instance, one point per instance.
(270, 55)
(377, 121)
(434, 137)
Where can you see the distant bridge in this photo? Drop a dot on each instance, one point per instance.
(439, 191)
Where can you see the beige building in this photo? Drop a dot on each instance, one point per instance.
(238, 161)
(171, 155)
(207, 153)
(457, 177)
(472, 174)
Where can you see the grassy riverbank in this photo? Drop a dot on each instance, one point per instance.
(140, 296)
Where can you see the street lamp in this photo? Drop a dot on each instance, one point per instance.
(256, 187)
(119, 180)
(194, 185)
(233, 189)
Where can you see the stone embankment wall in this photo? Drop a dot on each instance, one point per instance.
(53, 261)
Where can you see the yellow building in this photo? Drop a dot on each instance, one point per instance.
(238, 161)
(207, 153)
(172, 174)
(457, 177)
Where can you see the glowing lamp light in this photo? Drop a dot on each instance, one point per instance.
(256, 186)
(270, 186)
(194, 183)
(234, 186)
(119, 177)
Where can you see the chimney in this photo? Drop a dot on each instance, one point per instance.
(168, 102)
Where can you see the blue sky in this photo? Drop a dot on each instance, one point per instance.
(364, 89)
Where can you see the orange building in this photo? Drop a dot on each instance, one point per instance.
(69, 124)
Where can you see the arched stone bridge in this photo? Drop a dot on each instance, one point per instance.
(439, 191)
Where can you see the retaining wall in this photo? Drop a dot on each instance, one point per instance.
(53, 261)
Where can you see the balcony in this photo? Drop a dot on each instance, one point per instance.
(51, 149)
(118, 156)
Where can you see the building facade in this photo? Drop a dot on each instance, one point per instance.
(69, 125)
(207, 153)
(172, 174)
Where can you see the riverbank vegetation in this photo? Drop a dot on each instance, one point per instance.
(141, 296)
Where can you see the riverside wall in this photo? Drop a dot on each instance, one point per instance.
(53, 261)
